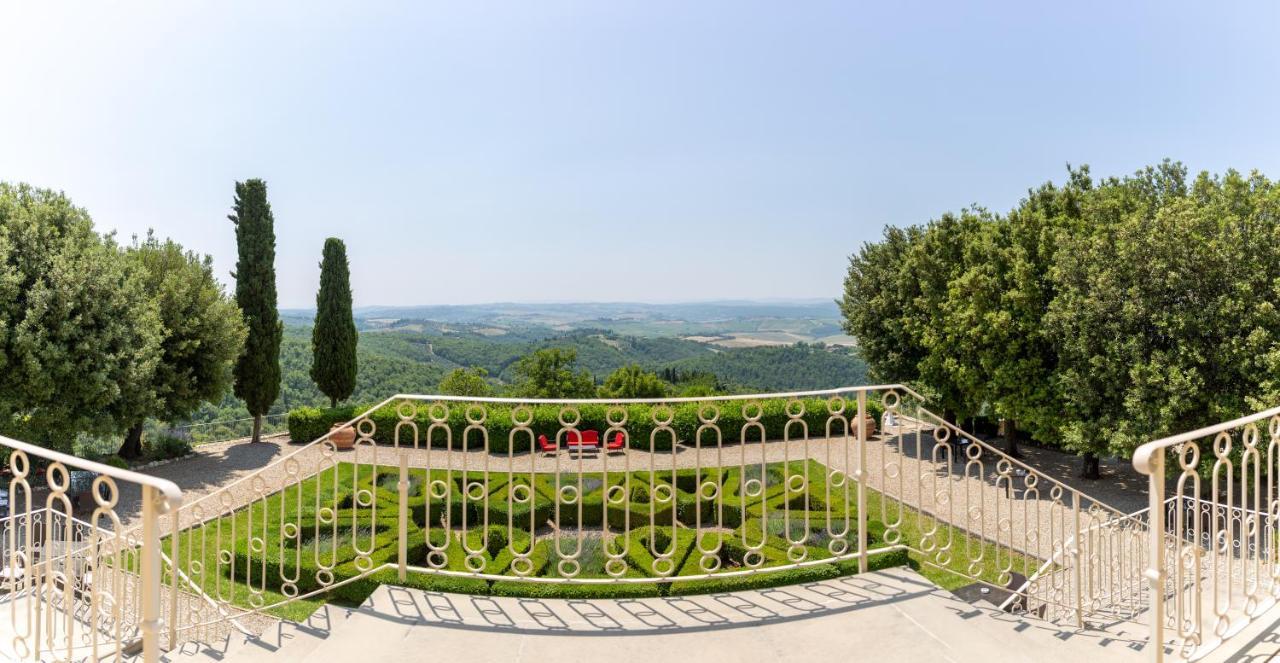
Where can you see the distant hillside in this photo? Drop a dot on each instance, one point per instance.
(782, 368)
(411, 360)
(726, 323)
(599, 351)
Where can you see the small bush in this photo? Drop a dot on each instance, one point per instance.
(164, 447)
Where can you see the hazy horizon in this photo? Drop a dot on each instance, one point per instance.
(776, 301)
(574, 151)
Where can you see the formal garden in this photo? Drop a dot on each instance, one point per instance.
(287, 544)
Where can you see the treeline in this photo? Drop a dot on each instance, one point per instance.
(781, 367)
(598, 351)
(579, 364)
(1096, 315)
(379, 374)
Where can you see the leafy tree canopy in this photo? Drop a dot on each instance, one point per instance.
(201, 332)
(79, 335)
(550, 373)
(1096, 314)
(633, 382)
(466, 382)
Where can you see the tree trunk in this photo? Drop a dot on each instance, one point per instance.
(1011, 438)
(1089, 466)
(333, 402)
(257, 428)
(132, 447)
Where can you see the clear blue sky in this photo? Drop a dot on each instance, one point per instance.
(643, 151)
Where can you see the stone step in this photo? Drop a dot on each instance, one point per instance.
(291, 641)
(894, 614)
(888, 615)
(202, 651)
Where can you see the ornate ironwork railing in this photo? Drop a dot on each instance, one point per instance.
(1212, 561)
(695, 493)
(688, 492)
(78, 588)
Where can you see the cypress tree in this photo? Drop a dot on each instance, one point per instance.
(257, 373)
(333, 338)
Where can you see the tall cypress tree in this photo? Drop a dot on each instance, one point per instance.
(333, 338)
(258, 370)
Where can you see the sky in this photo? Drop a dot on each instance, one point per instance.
(651, 151)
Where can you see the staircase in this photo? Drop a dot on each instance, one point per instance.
(891, 615)
(888, 615)
(203, 573)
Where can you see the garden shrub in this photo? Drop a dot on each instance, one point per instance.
(309, 423)
(164, 447)
(744, 521)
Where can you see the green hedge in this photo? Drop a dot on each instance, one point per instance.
(265, 520)
(308, 423)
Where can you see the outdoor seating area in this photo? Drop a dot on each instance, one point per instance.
(581, 441)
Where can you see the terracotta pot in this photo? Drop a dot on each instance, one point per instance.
(342, 439)
(871, 424)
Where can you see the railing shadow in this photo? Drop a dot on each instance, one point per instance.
(639, 616)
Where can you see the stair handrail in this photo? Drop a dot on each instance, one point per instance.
(1014, 462)
(159, 496)
(1149, 459)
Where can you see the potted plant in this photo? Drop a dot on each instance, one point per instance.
(343, 438)
(871, 424)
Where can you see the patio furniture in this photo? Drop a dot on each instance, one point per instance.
(619, 441)
(587, 439)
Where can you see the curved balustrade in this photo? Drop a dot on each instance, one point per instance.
(687, 495)
(692, 494)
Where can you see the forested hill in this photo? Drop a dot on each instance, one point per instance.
(782, 367)
(400, 361)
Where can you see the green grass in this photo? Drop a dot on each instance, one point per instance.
(226, 559)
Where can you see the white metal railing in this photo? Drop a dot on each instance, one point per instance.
(688, 491)
(1213, 561)
(78, 589)
(693, 492)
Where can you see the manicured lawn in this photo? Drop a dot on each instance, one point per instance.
(285, 543)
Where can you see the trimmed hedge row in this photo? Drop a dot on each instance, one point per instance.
(295, 557)
(308, 423)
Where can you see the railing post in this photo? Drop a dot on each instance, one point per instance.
(1155, 554)
(1076, 558)
(173, 584)
(150, 575)
(404, 515)
(860, 475)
